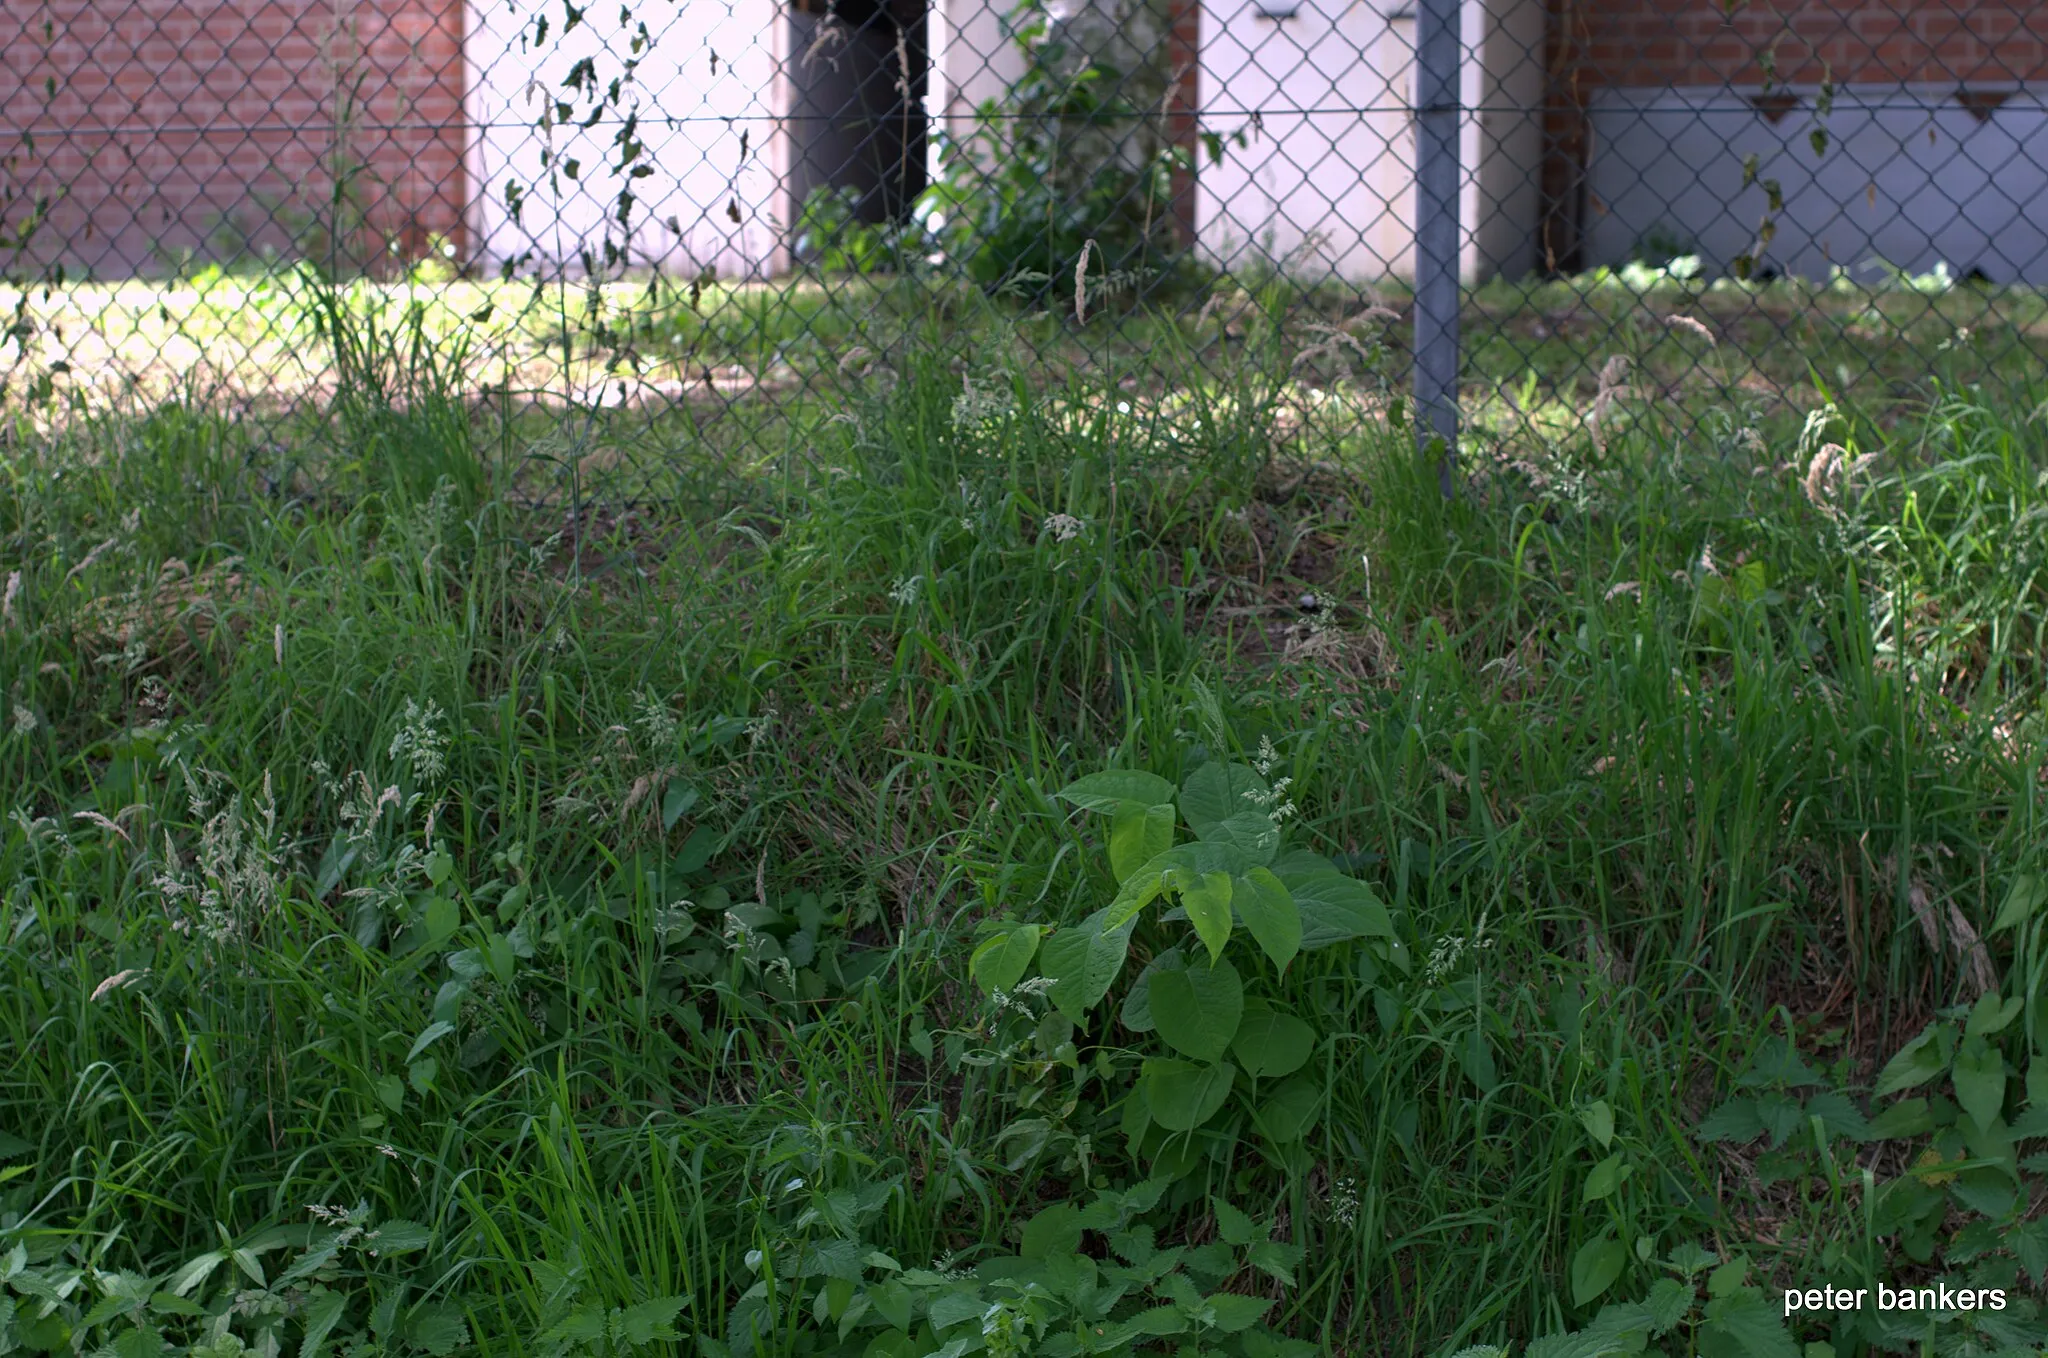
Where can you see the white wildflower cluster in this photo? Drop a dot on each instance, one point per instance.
(1274, 801)
(133, 654)
(420, 742)
(970, 501)
(1266, 759)
(24, 721)
(1063, 527)
(236, 879)
(904, 591)
(760, 725)
(352, 1223)
(1004, 1001)
(978, 405)
(947, 1267)
(675, 920)
(655, 721)
(1448, 951)
(362, 805)
(1342, 1202)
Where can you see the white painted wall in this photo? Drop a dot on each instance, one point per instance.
(1326, 182)
(1909, 176)
(711, 77)
(1326, 185)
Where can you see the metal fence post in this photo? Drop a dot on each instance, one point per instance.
(1437, 53)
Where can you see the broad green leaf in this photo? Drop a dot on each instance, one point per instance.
(1197, 1009)
(1216, 794)
(1598, 1119)
(1919, 1061)
(1735, 1120)
(1475, 1057)
(195, 1272)
(1907, 1117)
(438, 1328)
(1181, 1095)
(323, 1309)
(1108, 790)
(1083, 960)
(1136, 1119)
(1579, 1344)
(1263, 903)
(1336, 909)
(1232, 1224)
(1595, 1266)
(498, 955)
(1207, 901)
(1276, 1258)
(433, 1033)
(585, 1325)
(1986, 1191)
(1666, 1306)
(442, 918)
(1137, 1010)
(1271, 1043)
(1728, 1279)
(892, 1302)
(1989, 1016)
(1159, 1320)
(1234, 1311)
(399, 1236)
(1781, 1116)
(1778, 1065)
(1838, 1116)
(1690, 1259)
(1137, 835)
(1607, 1176)
(139, 1342)
(1744, 1325)
(1182, 862)
(1055, 1230)
(953, 1308)
(1980, 1080)
(999, 963)
(2029, 1244)
(1287, 1114)
(2031, 1123)
(2021, 902)
(676, 802)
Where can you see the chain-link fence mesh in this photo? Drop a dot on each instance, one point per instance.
(1712, 209)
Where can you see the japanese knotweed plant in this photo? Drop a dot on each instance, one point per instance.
(1219, 1052)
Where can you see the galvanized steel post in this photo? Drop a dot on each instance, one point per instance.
(1438, 54)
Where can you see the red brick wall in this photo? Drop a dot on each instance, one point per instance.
(1702, 42)
(158, 126)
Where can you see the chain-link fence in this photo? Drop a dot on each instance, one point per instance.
(736, 207)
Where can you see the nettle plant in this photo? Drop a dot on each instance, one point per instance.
(1217, 1053)
(1971, 1090)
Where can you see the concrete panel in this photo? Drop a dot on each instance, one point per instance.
(1910, 176)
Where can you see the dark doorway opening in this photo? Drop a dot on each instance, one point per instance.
(858, 73)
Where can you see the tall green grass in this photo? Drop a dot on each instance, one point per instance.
(568, 849)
